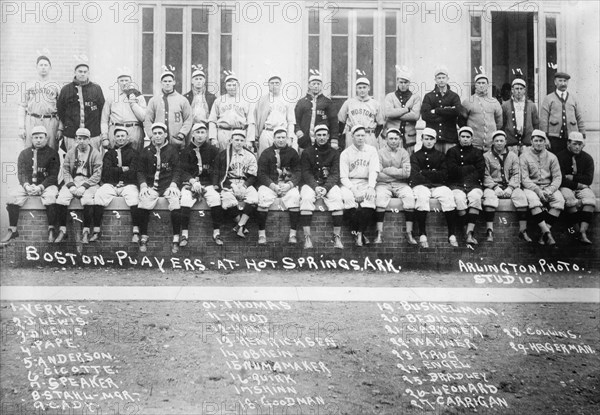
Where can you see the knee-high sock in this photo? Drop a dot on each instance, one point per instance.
(349, 215)
(421, 218)
(586, 217)
(135, 216)
(62, 212)
(472, 217)
(144, 218)
(13, 214)
(550, 220)
(379, 216)
(261, 218)
(451, 221)
(337, 220)
(365, 218)
(51, 214)
(306, 220)
(294, 218)
(98, 213)
(216, 213)
(176, 221)
(185, 218)
(489, 215)
(249, 209)
(88, 215)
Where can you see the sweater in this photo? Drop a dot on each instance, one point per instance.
(320, 166)
(189, 163)
(509, 123)
(551, 115)
(48, 166)
(484, 116)
(325, 114)
(359, 164)
(428, 168)
(234, 166)
(585, 168)
(168, 168)
(540, 171)
(69, 107)
(403, 115)
(289, 166)
(501, 170)
(112, 173)
(446, 108)
(172, 109)
(90, 166)
(466, 168)
(395, 165)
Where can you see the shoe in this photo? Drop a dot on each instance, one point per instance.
(470, 239)
(135, 238)
(523, 235)
(549, 239)
(452, 240)
(337, 242)
(218, 240)
(584, 239)
(183, 241)
(490, 235)
(175, 248)
(307, 242)
(541, 240)
(423, 241)
(378, 239)
(242, 231)
(410, 239)
(292, 240)
(50, 235)
(62, 235)
(85, 238)
(262, 240)
(10, 235)
(358, 240)
(95, 237)
(366, 240)
(143, 245)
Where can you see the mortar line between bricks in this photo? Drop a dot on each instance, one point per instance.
(300, 293)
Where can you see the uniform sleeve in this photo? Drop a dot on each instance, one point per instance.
(22, 172)
(480, 166)
(67, 166)
(142, 167)
(332, 121)
(104, 118)
(53, 169)
(488, 181)
(212, 121)
(525, 177)
(263, 169)
(252, 169)
(426, 108)
(415, 110)
(150, 117)
(139, 108)
(554, 168)
(295, 167)
(535, 119)
(389, 107)
(188, 117)
(61, 104)
(452, 165)
(110, 169)
(374, 168)
(453, 110)
(217, 170)
(344, 162)
(185, 165)
(514, 179)
(251, 122)
(334, 175)
(544, 117)
(96, 165)
(343, 113)
(579, 118)
(586, 174)
(175, 160)
(308, 177)
(498, 116)
(415, 171)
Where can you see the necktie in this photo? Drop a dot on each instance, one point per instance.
(574, 167)
(119, 158)
(157, 173)
(35, 168)
(199, 158)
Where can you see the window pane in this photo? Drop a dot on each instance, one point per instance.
(174, 20)
(313, 21)
(475, 57)
(147, 63)
(225, 53)
(390, 23)
(551, 27)
(226, 20)
(475, 26)
(339, 65)
(364, 55)
(550, 65)
(173, 56)
(365, 22)
(390, 64)
(200, 50)
(199, 20)
(339, 22)
(147, 19)
(313, 52)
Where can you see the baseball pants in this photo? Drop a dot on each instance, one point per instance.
(18, 196)
(333, 199)
(107, 192)
(442, 193)
(150, 200)
(467, 200)
(572, 197)
(556, 200)
(385, 192)
(65, 196)
(361, 188)
(290, 199)
(490, 199)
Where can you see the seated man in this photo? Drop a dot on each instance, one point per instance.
(392, 181)
(278, 176)
(196, 161)
(428, 174)
(119, 178)
(541, 178)
(466, 168)
(359, 166)
(38, 168)
(577, 169)
(233, 177)
(320, 165)
(82, 170)
(158, 175)
(502, 180)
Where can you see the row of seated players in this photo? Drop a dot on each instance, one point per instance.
(358, 184)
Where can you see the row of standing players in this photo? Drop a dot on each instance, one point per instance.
(358, 184)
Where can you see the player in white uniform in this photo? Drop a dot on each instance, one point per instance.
(230, 112)
(362, 110)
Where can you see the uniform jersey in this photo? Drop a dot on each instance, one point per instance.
(359, 164)
(231, 113)
(273, 111)
(120, 111)
(39, 98)
(361, 112)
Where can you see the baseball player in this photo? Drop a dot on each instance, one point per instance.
(126, 111)
(541, 179)
(38, 167)
(466, 169)
(230, 112)
(392, 181)
(402, 110)
(577, 169)
(359, 167)
(82, 170)
(519, 117)
(199, 98)
(272, 111)
(158, 175)
(233, 177)
(196, 161)
(278, 176)
(39, 105)
(119, 178)
(428, 175)
(80, 105)
(171, 109)
(361, 110)
(312, 110)
(320, 166)
(502, 180)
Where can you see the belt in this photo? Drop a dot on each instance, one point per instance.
(127, 124)
(42, 116)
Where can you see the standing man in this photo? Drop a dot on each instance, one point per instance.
(79, 105)
(361, 110)
(320, 164)
(271, 112)
(127, 112)
(560, 114)
(402, 110)
(315, 109)
(278, 176)
(392, 181)
(359, 167)
(440, 110)
(482, 113)
(171, 109)
(519, 118)
(119, 178)
(38, 167)
(230, 112)
(577, 169)
(38, 107)
(199, 98)
(158, 175)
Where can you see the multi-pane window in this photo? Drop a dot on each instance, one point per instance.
(313, 39)
(147, 51)
(390, 51)
(476, 60)
(339, 55)
(551, 53)
(174, 43)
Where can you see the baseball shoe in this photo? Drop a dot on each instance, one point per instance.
(337, 241)
(366, 241)
(9, 235)
(584, 239)
(490, 235)
(135, 238)
(523, 235)
(183, 242)
(241, 231)
(470, 239)
(307, 242)
(62, 235)
(378, 239)
(95, 237)
(262, 240)
(358, 239)
(50, 235)
(143, 245)
(218, 240)
(452, 240)
(292, 240)
(423, 241)
(85, 238)
(410, 238)
(175, 248)
(549, 239)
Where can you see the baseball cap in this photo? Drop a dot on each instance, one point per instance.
(83, 131)
(363, 80)
(315, 75)
(467, 129)
(232, 77)
(392, 130)
(498, 132)
(82, 64)
(430, 132)
(198, 72)
(481, 76)
(120, 129)
(321, 127)
(167, 73)
(278, 129)
(39, 129)
(576, 136)
(159, 125)
(403, 72)
(198, 126)
(356, 128)
(562, 75)
(274, 76)
(519, 81)
(538, 133)
(239, 132)
(43, 58)
(440, 70)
